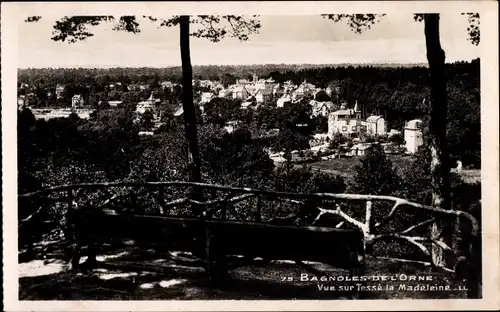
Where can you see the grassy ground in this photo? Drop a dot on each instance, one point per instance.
(345, 167)
(134, 274)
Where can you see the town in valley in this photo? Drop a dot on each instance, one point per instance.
(352, 126)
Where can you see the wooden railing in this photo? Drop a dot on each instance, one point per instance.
(312, 207)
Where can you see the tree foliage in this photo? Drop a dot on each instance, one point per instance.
(356, 22)
(214, 28)
(375, 174)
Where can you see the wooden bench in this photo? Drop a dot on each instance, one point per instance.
(340, 248)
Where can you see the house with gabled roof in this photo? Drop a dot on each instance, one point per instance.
(77, 101)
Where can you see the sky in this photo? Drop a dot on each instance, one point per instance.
(288, 39)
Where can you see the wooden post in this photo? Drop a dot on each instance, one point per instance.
(258, 217)
(161, 200)
(71, 216)
(467, 247)
(73, 229)
(210, 253)
(224, 209)
(216, 261)
(368, 225)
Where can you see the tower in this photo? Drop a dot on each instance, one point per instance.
(357, 111)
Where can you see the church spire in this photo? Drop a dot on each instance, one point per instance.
(356, 107)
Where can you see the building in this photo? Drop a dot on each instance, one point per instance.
(346, 122)
(115, 103)
(77, 101)
(59, 91)
(149, 104)
(167, 85)
(144, 106)
(133, 87)
(21, 102)
(375, 125)
(48, 114)
(321, 108)
(360, 149)
(240, 92)
(329, 90)
(206, 84)
(263, 90)
(242, 82)
(305, 89)
(247, 104)
(278, 91)
(179, 111)
(263, 95)
(232, 125)
(413, 135)
(394, 132)
(284, 100)
(206, 97)
(224, 93)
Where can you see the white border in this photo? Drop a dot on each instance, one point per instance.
(11, 14)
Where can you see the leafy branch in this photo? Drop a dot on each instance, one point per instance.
(356, 22)
(72, 29)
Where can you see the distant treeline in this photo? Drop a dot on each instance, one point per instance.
(297, 72)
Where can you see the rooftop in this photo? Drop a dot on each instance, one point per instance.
(344, 112)
(414, 124)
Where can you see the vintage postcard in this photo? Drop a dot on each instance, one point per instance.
(250, 155)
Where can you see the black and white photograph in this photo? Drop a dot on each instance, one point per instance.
(186, 152)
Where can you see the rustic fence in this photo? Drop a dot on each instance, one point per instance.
(363, 212)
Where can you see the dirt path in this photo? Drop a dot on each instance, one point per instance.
(133, 274)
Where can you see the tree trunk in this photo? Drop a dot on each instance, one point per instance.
(440, 167)
(194, 160)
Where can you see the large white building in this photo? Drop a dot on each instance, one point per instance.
(348, 122)
(345, 122)
(375, 125)
(413, 135)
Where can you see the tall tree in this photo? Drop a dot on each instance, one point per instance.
(440, 164)
(214, 28)
(438, 112)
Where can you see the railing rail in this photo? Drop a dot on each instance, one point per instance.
(309, 202)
